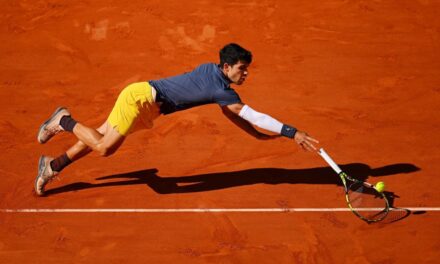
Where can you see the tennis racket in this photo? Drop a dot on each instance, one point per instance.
(363, 199)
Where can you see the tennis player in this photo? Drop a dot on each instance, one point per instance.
(139, 104)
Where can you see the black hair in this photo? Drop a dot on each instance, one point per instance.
(232, 53)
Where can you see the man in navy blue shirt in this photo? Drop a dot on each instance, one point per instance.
(140, 103)
(204, 85)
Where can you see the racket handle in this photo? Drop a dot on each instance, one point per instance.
(329, 160)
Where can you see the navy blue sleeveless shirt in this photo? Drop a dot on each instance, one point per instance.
(206, 84)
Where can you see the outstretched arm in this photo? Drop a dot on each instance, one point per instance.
(246, 126)
(268, 123)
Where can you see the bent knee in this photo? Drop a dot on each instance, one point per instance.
(109, 143)
(105, 151)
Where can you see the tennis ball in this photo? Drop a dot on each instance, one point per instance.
(380, 186)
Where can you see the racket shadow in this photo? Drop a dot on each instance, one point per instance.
(394, 215)
(222, 180)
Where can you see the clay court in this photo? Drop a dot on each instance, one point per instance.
(363, 77)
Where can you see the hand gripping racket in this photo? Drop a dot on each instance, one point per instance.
(363, 198)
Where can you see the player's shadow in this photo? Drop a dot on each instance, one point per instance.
(222, 180)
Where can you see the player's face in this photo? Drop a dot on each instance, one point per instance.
(237, 73)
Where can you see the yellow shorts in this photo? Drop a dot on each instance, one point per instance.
(134, 108)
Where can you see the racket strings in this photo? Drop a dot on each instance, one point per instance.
(367, 202)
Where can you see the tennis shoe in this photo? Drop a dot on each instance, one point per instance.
(45, 174)
(51, 126)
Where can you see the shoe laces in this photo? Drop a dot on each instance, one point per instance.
(53, 130)
(50, 178)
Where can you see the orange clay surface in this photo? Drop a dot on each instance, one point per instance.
(360, 76)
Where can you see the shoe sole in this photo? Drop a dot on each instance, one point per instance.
(40, 170)
(43, 126)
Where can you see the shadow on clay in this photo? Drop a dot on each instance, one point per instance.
(222, 180)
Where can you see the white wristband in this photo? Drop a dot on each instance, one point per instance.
(260, 120)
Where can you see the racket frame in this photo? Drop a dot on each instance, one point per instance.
(344, 177)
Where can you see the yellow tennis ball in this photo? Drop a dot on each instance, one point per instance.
(380, 186)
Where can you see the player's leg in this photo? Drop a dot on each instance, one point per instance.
(107, 143)
(77, 151)
(61, 120)
(134, 101)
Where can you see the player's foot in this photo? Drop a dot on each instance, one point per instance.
(52, 125)
(45, 174)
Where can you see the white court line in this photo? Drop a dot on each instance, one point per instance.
(201, 210)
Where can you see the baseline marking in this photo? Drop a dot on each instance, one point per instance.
(202, 210)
